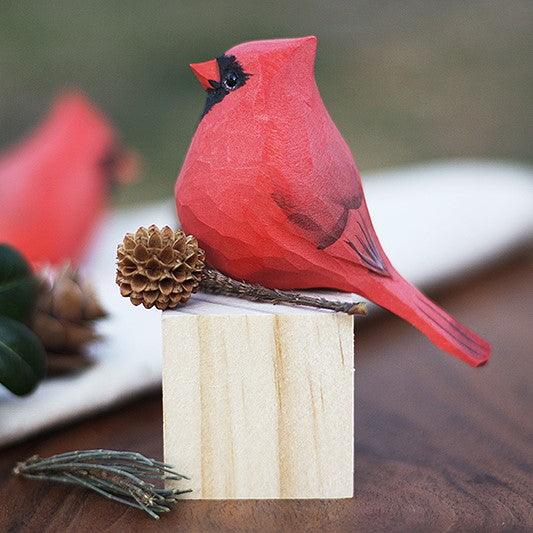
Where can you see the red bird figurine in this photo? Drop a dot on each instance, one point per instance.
(54, 184)
(270, 189)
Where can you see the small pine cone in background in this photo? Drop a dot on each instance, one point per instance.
(65, 313)
(159, 267)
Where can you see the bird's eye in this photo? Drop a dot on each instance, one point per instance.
(230, 81)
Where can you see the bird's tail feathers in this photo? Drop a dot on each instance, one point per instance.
(442, 329)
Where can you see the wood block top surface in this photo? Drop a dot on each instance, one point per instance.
(211, 304)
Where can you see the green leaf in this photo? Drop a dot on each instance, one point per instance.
(22, 357)
(18, 286)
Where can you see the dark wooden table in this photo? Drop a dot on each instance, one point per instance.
(439, 446)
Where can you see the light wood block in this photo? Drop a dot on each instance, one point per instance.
(258, 400)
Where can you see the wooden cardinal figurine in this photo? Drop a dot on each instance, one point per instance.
(270, 189)
(53, 184)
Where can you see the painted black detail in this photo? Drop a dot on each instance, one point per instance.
(473, 350)
(232, 76)
(334, 235)
(369, 253)
(304, 222)
(321, 237)
(455, 325)
(464, 339)
(282, 202)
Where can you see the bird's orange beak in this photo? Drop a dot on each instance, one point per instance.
(206, 72)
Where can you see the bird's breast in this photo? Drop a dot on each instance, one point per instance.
(288, 134)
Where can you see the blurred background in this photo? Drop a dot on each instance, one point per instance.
(405, 81)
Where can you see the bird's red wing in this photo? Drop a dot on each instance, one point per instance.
(332, 214)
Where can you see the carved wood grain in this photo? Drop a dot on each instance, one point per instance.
(260, 405)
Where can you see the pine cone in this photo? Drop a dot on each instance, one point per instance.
(159, 267)
(64, 317)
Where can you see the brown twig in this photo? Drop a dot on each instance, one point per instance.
(215, 282)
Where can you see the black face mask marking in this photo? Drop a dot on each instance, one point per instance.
(232, 77)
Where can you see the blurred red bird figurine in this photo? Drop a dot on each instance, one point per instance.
(270, 189)
(53, 184)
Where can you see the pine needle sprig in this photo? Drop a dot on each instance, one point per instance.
(120, 476)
